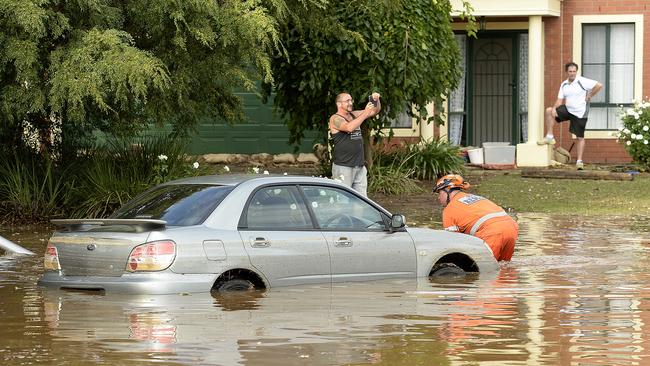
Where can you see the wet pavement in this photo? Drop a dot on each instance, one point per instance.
(576, 293)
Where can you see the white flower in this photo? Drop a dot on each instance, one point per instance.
(636, 116)
(633, 136)
(162, 157)
(645, 142)
(195, 165)
(628, 143)
(646, 128)
(256, 170)
(620, 128)
(266, 172)
(626, 130)
(225, 168)
(639, 137)
(630, 112)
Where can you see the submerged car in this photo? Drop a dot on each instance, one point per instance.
(238, 232)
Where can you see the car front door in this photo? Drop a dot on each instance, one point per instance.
(361, 246)
(281, 239)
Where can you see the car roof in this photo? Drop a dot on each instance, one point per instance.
(235, 179)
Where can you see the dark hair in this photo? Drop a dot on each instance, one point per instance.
(339, 96)
(569, 64)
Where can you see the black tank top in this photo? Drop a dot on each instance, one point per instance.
(347, 147)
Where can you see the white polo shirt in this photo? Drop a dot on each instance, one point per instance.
(575, 95)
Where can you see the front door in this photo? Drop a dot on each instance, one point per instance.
(280, 238)
(493, 84)
(360, 246)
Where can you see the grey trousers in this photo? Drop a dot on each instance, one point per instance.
(354, 177)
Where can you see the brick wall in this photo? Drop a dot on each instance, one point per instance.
(558, 33)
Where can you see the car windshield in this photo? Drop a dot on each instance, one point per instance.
(179, 205)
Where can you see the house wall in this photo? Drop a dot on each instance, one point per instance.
(559, 47)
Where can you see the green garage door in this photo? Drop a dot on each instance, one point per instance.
(262, 132)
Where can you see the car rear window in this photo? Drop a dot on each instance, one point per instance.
(179, 205)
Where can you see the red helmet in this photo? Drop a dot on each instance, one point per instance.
(450, 181)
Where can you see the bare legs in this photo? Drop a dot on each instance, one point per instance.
(581, 147)
(550, 120)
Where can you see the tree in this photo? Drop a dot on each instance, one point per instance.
(118, 65)
(405, 50)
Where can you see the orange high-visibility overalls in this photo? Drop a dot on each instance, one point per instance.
(478, 216)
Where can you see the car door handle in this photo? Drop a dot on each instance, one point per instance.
(260, 242)
(343, 242)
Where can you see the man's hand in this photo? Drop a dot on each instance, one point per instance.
(376, 96)
(554, 112)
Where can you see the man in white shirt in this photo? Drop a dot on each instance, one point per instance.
(572, 104)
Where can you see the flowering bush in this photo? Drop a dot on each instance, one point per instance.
(635, 132)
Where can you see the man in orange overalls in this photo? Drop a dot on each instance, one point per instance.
(476, 215)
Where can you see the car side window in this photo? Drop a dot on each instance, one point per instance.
(337, 209)
(277, 208)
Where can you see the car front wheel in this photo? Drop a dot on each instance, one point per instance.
(446, 270)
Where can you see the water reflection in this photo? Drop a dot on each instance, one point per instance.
(576, 293)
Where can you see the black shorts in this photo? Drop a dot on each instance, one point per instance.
(577, 126)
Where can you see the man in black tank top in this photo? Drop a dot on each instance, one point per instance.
(348, 162)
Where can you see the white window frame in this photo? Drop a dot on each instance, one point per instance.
(637, 19)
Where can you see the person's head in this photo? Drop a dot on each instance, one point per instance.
(344, 101)
(446, 185)
(571, 69)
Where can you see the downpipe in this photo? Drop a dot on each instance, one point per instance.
(12, 247)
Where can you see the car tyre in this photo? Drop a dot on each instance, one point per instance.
(236, 285)
(446, 270)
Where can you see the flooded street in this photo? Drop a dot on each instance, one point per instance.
(576, 293)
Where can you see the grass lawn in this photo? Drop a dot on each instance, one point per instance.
(566, 196)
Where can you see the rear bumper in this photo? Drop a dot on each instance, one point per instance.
(141, 283)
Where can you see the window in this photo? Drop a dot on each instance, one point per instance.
(337, 209)
(608, 56)
(403, 120)
(179, 205)
(277, 208)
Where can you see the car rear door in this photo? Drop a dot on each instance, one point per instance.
(361, 247)
(281, 239)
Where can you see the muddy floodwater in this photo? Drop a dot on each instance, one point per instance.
(576, 293)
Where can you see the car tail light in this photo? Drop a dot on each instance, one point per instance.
(51, 258)
(154, 256)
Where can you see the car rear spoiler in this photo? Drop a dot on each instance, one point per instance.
(136, 224)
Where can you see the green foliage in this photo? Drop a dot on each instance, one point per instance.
(635, 133)
(124, 167)
(394, 179)
(119, 65)
(403, 49)
(426, 160)
(30, 189)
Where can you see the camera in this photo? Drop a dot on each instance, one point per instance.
(371, 100)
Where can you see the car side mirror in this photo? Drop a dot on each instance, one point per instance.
(397, 222)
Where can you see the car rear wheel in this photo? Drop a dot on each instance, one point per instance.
(446, 270)
(236, 285)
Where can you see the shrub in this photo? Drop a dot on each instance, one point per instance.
(427, 160)
(635, 133)
(125, 167)
(31, 189)
(392, 180)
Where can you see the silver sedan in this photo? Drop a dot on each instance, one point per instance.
(238, 232)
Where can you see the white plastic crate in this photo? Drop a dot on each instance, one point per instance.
(498, 153)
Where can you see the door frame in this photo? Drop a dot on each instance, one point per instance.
(515, 126)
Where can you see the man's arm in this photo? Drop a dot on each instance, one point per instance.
(594, 91)
(338, 123)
